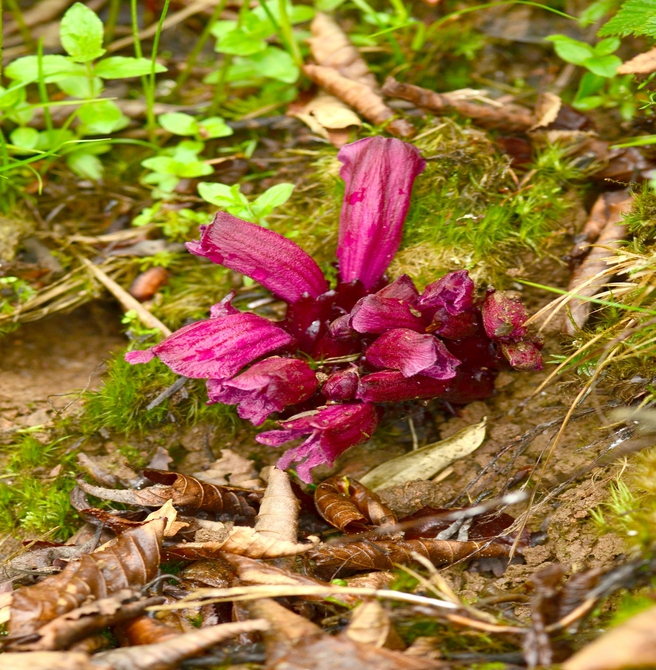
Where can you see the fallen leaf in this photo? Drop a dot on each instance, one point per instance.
(184, 491)
(644, 63)
(426, 462)
(629, 645)
(350, 506)
(371, 624)
(552, 114)
(509, 117)
(356, 556)
(331, 47)
(62, 632)
(49, 660)
(144, 630)
(278, 516)
(325, 113)
(231, 470)
(361, 97)
(129, 563)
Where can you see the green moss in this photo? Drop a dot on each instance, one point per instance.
(30, 498)
(468, 212)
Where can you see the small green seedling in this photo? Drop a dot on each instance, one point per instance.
(232, 200)
(600, 86)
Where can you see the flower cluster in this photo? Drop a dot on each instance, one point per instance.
(341, 353)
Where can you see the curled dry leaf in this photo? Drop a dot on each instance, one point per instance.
(426, 462)
(49, 660)
(278, 516)
(361, 97)
(371, 624)
(356, 556)
(509, 117)
(590, 276)
(129, 563)
(629, 645)
(325, 114)
(256, 572)
(350, 506)
(62, 632)
(183, 491)
(644, 63)
(144, 630)
(552, 114)
(231, 470)
(148, 283)
(244, 541)
(331, 47)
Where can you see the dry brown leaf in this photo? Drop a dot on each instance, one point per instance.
(242, 540)
(231, 470)
(251, 571)
(551, 114)
(277, 519)
(49, 660)
(641, 64)
(629, 645)
(184, 491)
(426, 462)
(294, 643)
(371, 624)
(144, 630)
(509, 117)
(350, 506)
(331, 47)
(324, 114)
(129, 563)
(361, 97)
(64, 631)
(355, 556)
(588, 279)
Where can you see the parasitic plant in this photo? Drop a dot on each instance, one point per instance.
(341, 353)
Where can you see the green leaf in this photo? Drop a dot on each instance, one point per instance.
(607, 46)
(187, 151)
(81, 33)
(296, 13)
(101, 118)
(273, 197)
(179, 123)
(122, 67)
(55, 68)
(171, 166)
(276, 64)
(25, 138)
(85, 164)
(635, 17)
(328, 5)
(9, 97)
(597, 10)
(81, 87)
(239, 43)
(603, 66)
(589, 102)
(221, 29)
(571, 51)
(590, 84)
(221, 195)
(214, 127)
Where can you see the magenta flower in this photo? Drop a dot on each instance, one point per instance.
(361, 344)
(267, 386)
(332, 430)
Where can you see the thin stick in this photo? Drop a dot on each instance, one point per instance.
(167, 393)
(125, 299)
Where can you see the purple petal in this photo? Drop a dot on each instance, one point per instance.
(135, 357)
(217, 348)
(454, 292)
(392, 386)
(268, 258)
(402, 288)
(340, 329)
(504, 317)
(374, 314)
(332, 431)
(341, 385)
(379, 174)
(307, 319)
(412, 353)
(224, 308)
(523, 355)
(453, 326)
(267, 386)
